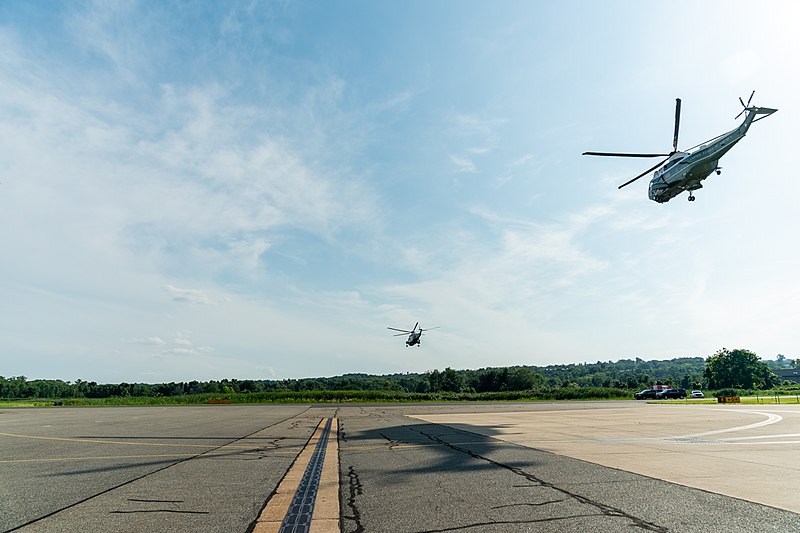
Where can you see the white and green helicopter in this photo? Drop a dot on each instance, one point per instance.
(414, 334)
(683, 171)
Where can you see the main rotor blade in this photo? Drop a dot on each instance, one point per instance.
(415, 326)
(428, 329)
(677, 124)
(643, 173)
(401, 334)
(751, 97)
(618, 154)
(403, 330)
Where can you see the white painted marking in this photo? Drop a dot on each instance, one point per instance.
(770, 442)
(771, 419)
(763, 437)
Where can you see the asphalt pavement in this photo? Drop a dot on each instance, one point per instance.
(214, 468)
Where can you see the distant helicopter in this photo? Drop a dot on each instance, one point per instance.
(683, 171)
(413, 335)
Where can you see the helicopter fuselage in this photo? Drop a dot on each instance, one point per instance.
(684, 171)
(413, 338)
(414, 334)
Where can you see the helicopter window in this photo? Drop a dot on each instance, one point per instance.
(673, 162)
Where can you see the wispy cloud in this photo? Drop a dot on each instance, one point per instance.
(462, 164)
(521, 161)
(181, 339)
(191, 296)
(471, 136)
(526, 266)
(146, 341)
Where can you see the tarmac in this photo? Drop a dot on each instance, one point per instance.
(497, 467)
(747, 452)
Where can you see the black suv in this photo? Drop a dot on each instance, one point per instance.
(647, 394)
(671, 393)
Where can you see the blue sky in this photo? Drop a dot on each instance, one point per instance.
(200, 190)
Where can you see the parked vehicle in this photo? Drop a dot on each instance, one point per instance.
(697, 394)
(647, 394)
(671, 393)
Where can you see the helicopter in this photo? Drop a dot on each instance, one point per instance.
(684, 170)
(413, 335)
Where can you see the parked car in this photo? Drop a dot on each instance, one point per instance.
(697, 394)
(671, 393)
(647, 394)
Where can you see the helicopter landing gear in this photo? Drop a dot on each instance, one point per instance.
(719, 172)
(691, 197)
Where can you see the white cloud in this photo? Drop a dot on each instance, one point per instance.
(108, 30)
(462, 164)
(181, 339)
(522, 161)
(178, 351)
(191, 296)
(146, 341)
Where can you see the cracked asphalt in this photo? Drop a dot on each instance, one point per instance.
(400, 474)
(183, 468)
(213, 468)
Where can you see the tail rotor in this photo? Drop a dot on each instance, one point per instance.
(745, 106)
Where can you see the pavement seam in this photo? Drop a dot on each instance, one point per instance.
(279, 500)
(325, 516)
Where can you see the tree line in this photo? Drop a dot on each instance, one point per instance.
(726, 369)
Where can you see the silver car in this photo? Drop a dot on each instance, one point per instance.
(697, 394)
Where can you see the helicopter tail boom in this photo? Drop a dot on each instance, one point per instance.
(766, 111)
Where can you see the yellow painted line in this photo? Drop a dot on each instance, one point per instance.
(98, 458)
(326, 506)
(134, 443)
(111, 457)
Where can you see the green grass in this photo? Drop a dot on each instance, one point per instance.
(360, 396)
(26, 403)
(770, 399)
(335, 396)
(747, 400)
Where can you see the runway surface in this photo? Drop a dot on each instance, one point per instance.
(697, 446)
(593, 466)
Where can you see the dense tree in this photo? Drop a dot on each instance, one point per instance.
(505, 379)
(629, 374)
(738, 369)
(451, 381)
(434, 380)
